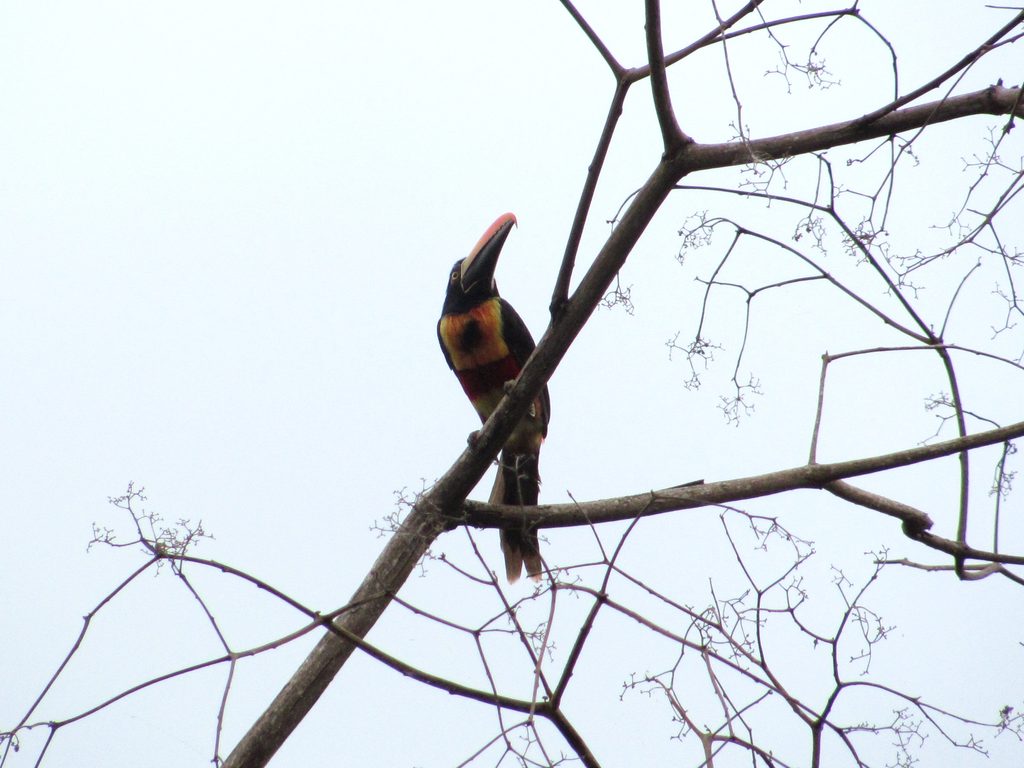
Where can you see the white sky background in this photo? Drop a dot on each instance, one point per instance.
(224, 233)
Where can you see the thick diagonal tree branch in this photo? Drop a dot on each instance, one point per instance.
(438, 508)
(624, 78)
(441, 507)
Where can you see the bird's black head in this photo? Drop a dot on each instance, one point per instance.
(471, 280)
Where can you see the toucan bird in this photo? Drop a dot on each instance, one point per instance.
(486, 343)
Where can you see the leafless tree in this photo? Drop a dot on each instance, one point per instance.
(836, 229)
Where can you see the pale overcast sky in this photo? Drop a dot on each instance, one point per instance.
(224, 234)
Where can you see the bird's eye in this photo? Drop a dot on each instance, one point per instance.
(455, 275)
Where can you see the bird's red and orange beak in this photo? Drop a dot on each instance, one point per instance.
(479, 266)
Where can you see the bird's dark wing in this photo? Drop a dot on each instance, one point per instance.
(520, 343)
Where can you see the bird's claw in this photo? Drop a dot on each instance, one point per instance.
(474, 438)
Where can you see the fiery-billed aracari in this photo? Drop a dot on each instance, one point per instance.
(486, 343)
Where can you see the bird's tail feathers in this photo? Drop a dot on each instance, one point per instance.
(518, 484)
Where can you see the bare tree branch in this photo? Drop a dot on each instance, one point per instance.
(438, 509)
(935, 82)
(725, 491)
(671, 135)
(994, 100)
(441, 507)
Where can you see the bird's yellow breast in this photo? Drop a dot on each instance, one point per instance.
(474, 338)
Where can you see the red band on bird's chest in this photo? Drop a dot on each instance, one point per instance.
(479, 381)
